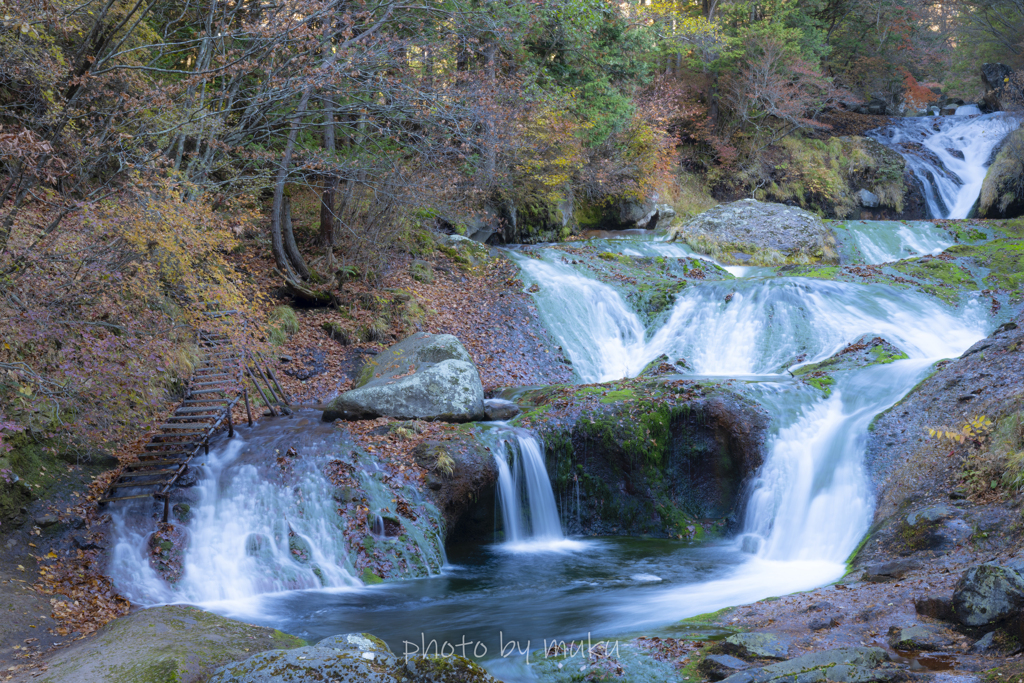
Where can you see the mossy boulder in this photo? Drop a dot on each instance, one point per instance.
(749, 232)
(989, 594)
(864, 351)
(647, 457)
(1002, 192)
(171, 643)
(423, 377)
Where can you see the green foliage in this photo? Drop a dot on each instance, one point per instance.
(284, 317)
(824, 175)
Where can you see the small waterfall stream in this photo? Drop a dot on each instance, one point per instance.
(948, 154)
(528, 509)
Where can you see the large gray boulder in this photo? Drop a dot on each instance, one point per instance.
(759, 233)
(988, 594)
(170, 643)
(424, 377)
(350, 658)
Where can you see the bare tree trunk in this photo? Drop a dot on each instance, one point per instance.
(276, 212)
(290, 247)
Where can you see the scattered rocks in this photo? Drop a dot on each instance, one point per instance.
(426, 376)
(988, 594)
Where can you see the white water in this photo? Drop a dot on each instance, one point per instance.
(887, 241)
(810, 503)
(257, 529)
(949, 155)
(528, 511)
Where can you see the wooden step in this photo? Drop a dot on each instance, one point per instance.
(149, 473)
(184, 426)
(154, 463)
(188, 401)
(104, 501)
(136, 484)
(192, 418)
(196, 411)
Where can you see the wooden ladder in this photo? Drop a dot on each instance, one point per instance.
(217, 384)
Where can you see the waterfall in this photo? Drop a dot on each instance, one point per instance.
(529, 514)
(261, 524)
(948, 154)
(811, 500)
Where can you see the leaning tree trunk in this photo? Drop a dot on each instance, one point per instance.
(276, 236)
(290, 247)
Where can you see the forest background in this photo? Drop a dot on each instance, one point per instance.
(151, 149)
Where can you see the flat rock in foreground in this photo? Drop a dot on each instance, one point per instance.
(170, 643)
(423, 377)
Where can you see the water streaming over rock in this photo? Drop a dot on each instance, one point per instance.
(948, 154)
(529, 514)
(806, 509)
(260, 521)
(811, 500)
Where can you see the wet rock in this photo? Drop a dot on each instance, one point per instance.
(349, 658)
(161, 644)
(426, 376)
(986, 643)
(822, 623)
(759, 233)
(890, 571)
(868, 199)
(84, 542)
(936, 608)
(500, 410)
(995, 75)
(860, 663)
(182, 512)
(844, 673)
(1002, 191)
(718, 667)
(919, 637)
(311, 664)
(45, 521)
(454, 669)
(988, 594)
(935, 528)
(756, 646)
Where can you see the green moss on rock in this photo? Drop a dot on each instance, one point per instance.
(172, 643)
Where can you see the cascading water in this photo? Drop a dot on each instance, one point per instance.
(948, 154)
(806, 508)
(811, 500)
(261, 522)
(529, 514)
